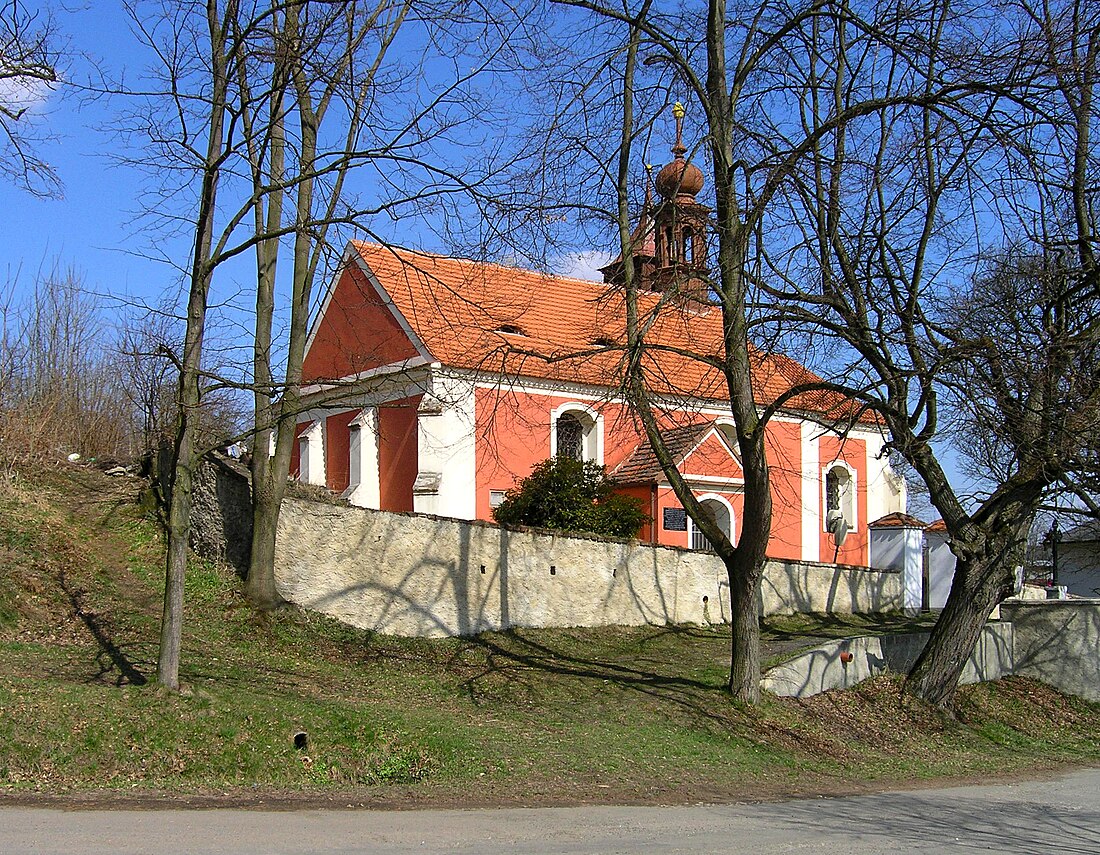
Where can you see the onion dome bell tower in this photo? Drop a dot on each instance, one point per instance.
(670, 240)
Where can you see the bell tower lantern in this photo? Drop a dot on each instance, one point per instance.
(670, 241)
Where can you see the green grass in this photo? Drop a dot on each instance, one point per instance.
(549, 716)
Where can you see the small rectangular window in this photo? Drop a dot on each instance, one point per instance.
(496, 498)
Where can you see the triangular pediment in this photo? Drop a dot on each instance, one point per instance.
(712, 457)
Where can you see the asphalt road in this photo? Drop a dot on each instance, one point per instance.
(1056, 816)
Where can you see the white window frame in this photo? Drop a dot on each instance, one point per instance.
(722, 500)
(592, 424)
(311, 453)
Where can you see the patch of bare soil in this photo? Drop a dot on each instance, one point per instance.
(490, 796)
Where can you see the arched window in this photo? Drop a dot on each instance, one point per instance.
(719, 510)
(570, 436)
(576, 432)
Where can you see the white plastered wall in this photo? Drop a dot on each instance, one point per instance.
(941, 568)
(364, 488)
(811, 491)
(885, 490)
(901, 550)
(446, 479)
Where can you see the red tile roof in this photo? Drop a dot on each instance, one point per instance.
(467, 315)
(897, 520)
(642, 466)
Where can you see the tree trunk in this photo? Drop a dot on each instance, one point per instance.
(190, 396)
(179, 528)
(744, 682)
(268, 490)
(978, 587)
(183, 468)
(267, 499)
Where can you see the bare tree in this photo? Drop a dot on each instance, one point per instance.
(334, 54)
(761, 76)
(284, 98)
(315, 123)
(883, 252)
(190, 134)
(146, 342)
(61, 388)
(28, 72)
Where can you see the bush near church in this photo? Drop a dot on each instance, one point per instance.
(573, 496)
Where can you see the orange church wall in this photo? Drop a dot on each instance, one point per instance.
(337, 450)
(645, 495)
(357, 332)
(666, 498)
(854, 453)
(397, 453)
(513, 434)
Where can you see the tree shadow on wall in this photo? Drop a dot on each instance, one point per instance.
(828, 625)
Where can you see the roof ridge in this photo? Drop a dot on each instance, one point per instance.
(452, 305)
(473, 262)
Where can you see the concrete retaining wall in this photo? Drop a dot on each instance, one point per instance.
(418, 575)
(1058, 642)
(843, 663)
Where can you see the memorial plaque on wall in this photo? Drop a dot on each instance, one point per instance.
(676, 519)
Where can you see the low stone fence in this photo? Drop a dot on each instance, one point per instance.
(418, 575)
(1054, 641)
(847, 661)
(1058, 642)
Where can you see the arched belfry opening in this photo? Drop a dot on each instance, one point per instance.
(668, 245)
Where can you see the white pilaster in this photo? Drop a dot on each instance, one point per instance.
(811, 493)
(364, 486)
(885, 491)
(446, 479)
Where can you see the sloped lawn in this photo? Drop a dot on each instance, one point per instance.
(522, 717)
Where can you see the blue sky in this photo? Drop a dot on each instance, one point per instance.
(94, 226)
(90, 226)
(95, 223)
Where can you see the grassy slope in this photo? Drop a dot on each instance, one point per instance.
(523, 717)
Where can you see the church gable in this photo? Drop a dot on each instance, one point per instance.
(698, 449)
(712, 458)
(359, 329)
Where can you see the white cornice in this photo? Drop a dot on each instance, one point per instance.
(416, 364)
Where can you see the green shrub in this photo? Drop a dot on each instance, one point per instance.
(568, 495)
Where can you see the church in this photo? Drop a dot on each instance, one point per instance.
(476, 372)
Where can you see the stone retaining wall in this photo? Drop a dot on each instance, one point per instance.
(847, 661)
(1058, 642)
(1054, 641)
(418, 575)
